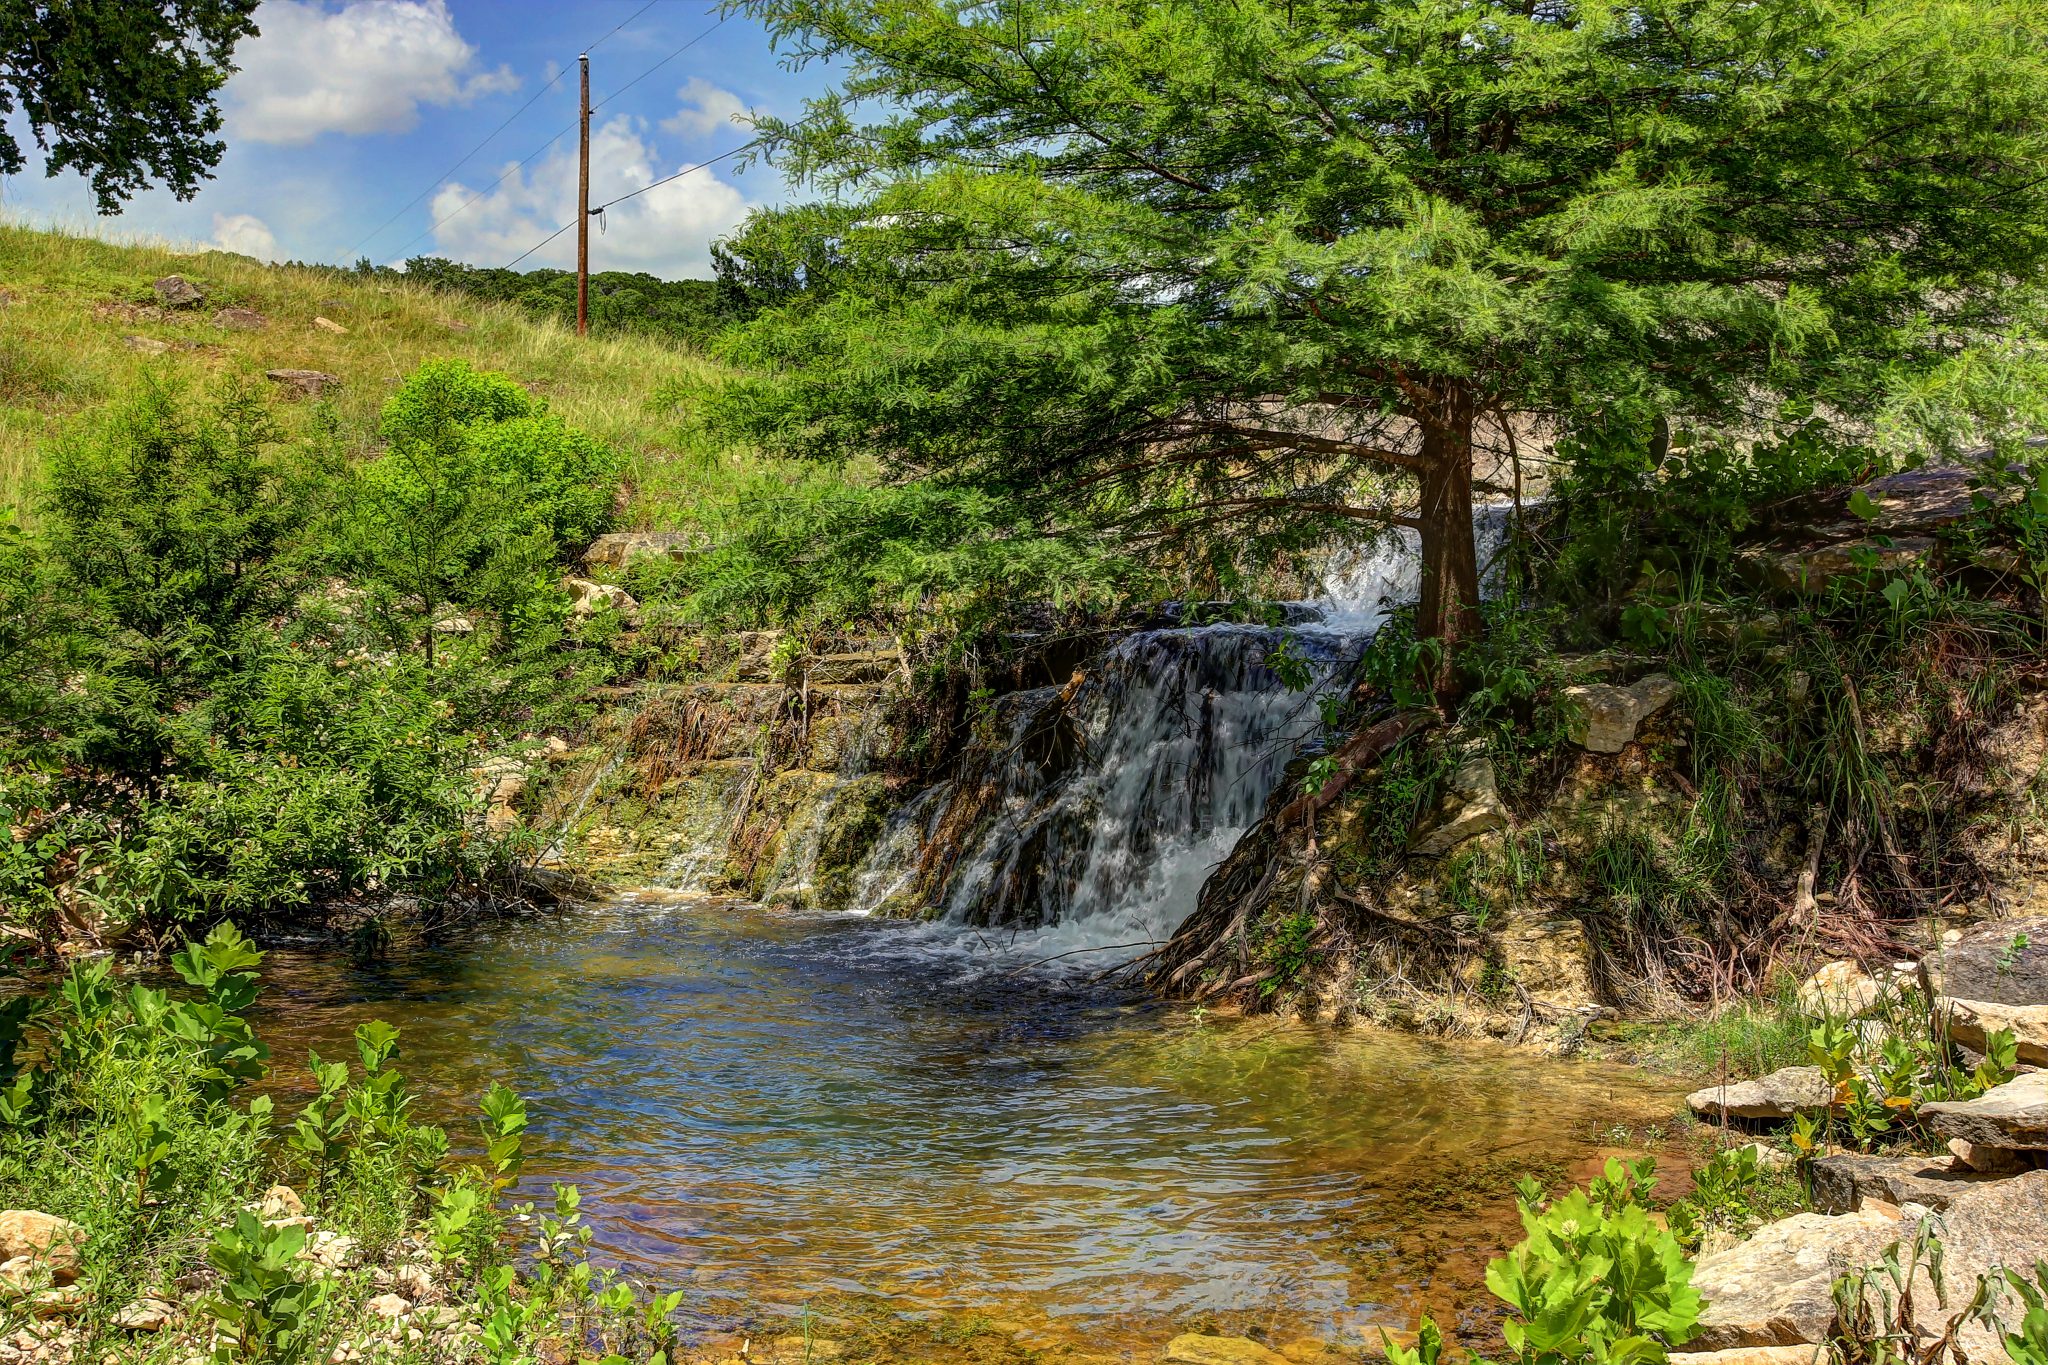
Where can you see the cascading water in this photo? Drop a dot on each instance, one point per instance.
(1087, 827)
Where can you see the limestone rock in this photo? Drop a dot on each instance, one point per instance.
(390, 1306)
(1553, 960)
(146, 1315)
(146, 345)
(330, 325)
(332, 1251)
(175, 291)
(240, 320)
(65, 1301)
(615, 549)
(1998, 1223)
(454, 625)
(1192, 1348)
(2012, 1116)
(1989, 1160)
(44, 1239)
(1971, 1022)
(2004, 962)
(1842, 1182)
(304, 383)
(1471, 807)
(1602, 718)
(587, 598)
(1801, 1354)
(1774, 1289)
(280, 1201)
(1840, 989)
(1780, 1095)
(1810, 571)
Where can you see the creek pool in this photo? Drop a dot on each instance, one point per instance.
(771, 1108)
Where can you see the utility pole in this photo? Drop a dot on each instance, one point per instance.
(583, 209)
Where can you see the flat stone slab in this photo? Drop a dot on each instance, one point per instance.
(1192, 1348)
(1776, 1288)
(1972, 1022)
(1780, 1095)
(2013, 1115)
(1602, 718)
(1841, 1183)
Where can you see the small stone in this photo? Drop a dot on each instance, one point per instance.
(62, 1302)
(175, 291)
(145, 1315)
(588, 598)
(304, 383)
(1603, 719)
(240, 320)
(1193, 1348)
(330, 325)
(332, 1250)
(389, 1306)
(454, 625)
(146, 345)
(1780, 1095)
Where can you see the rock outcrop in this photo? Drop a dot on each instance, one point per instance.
(304, 383)
(175, 291)
(1471, 806)
(1602, 718)
(1780, 1095)
(2013, 1116)
(1776, 1288)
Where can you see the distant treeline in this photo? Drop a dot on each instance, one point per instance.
(620, 301)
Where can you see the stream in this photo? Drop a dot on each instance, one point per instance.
(773, 1109)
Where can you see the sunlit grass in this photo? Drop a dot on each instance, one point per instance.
(66, 354)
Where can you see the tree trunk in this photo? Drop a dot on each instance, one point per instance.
(1449, 612)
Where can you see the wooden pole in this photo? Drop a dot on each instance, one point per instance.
(583, 208)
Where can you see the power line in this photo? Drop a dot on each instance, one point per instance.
(631, 194)
(434, 184)
(660, 64)
(552, 83)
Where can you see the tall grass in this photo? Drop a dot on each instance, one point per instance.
(65, 352)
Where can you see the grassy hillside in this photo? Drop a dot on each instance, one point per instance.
(77, 330)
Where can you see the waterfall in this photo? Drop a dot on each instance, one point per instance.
(1085, 819)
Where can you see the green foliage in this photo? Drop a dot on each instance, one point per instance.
(1596, 1279)
(1735, 1193)
(2026, 1340)
(694, 311)
(123, 94)
(267, 1300)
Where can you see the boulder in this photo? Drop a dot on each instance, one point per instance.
(1972, 1022)
(1471, 806)
(1997, 1223)
(1802, 1354)
(615, 549)
(872, 666)
(1840, 989)
(42, 1239)
(1193, 1348)
(1776, 1288)
(587, 598)
(1808, 572)
(1780, 1095)
(175, 291)
(1843, 1181)
(304, 383)
(1990, 1160)
(240, 320)
(2012, 1116)
(2005, 962)
(1602, 718)
(330, 325)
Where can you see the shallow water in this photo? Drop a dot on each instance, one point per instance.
(770, 1108)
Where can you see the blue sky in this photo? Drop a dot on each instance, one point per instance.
(345, 110)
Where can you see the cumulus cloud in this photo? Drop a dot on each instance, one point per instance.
(666, 231)
(364, 68)
(245, 234)
(706, 110)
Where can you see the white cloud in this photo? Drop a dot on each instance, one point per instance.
(707, 110)
(245, 233)
(666, 231)
(364, 68)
